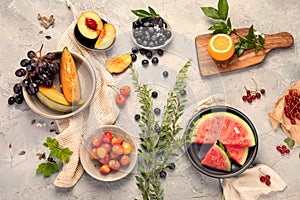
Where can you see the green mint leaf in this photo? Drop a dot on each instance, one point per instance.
(290, 142)
(223, 9)
(220, 27)
(261, 41)
(47, 168)
(152, 12)
(251, 32)
(141, 13)
(239, 52)
(211, 12)
(229, 22)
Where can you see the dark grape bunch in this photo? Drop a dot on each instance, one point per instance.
(151, 31)
(36, 70)
(292, 106)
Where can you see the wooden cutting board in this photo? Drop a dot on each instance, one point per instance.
(208, 66)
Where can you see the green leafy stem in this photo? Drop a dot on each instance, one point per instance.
(56, 156)
(223, 25)
(158, 145)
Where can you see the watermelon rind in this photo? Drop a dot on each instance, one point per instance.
(237, 154)
(217, 158)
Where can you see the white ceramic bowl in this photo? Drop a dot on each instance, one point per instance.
(92, 166)
(87, 79)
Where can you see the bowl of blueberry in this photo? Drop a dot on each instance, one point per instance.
(150, 30)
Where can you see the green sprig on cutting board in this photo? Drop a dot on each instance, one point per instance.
(223, 25)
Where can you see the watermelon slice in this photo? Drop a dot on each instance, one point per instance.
(228, 128)
(217, 158)
(238, 133)
(208, 128)
(237, 154)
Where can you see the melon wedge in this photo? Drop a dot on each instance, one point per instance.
(237, 154)
(217, 158)
(55, 100)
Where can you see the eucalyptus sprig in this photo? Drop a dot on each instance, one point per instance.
(223, 25)
(157, 147)
(144, 14)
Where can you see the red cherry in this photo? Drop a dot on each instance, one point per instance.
(268, 177)
(268, 183)
(262, 91)
(262, 179)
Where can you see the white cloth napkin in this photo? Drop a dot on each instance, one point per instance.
(101, 111)
(247, 186)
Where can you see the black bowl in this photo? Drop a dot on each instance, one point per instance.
(196, 152)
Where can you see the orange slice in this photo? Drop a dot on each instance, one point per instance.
(221, 47)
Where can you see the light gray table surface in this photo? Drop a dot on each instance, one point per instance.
(20, 32)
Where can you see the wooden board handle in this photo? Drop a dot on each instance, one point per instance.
(278, 40)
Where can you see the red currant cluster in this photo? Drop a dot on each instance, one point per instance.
(265, 179)
(252, 95)
(292, 106)
(283, 149)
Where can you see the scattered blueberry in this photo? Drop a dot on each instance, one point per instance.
(149, 54)
(137, 117)
(133, 57)
(154, 60)
(154, 94)
(160, 52)
(142, 51)
(162, 174)
(145, 63)
(171, 166)
(156, 111)
(134, 50)
(165, 74)
(157, 128)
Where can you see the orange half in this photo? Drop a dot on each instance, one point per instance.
(221, 47)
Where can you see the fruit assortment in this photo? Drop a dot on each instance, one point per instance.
(111, 151)
(94, 32)
(40, 71)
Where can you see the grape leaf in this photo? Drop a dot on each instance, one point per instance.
(47, 168)
(62, 155)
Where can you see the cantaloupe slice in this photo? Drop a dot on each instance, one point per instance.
(69, 78)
